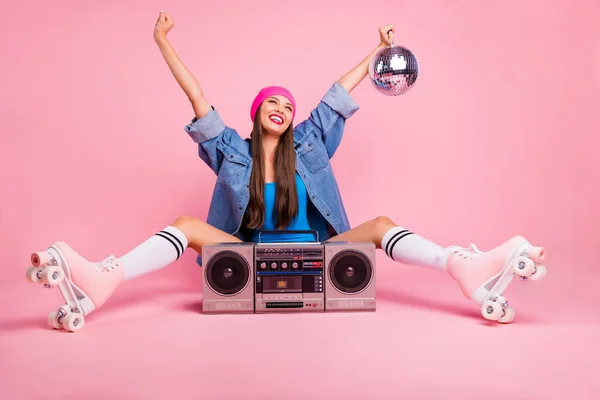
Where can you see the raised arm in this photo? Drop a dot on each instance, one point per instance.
(217, 143)
(328, 118)
(358, 73)
(182, 75)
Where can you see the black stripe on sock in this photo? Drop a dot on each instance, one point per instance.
(172, 242)
(387, 246)
(176, 238)
(396, 241)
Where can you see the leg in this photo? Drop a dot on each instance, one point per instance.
(169, 244)
(370, 231)
(199, 233)
(86, 285)
(399, 244)
(482, 277)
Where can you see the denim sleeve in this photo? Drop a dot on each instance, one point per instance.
(328, 119)
(210, 133)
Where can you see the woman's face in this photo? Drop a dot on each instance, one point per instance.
(276, 114)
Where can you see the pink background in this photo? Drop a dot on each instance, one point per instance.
(498, 137)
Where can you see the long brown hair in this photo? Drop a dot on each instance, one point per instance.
(286, 198)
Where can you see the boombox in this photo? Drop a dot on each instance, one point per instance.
(288, 277)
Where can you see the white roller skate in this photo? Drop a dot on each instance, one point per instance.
(484, 276)
(85, 286)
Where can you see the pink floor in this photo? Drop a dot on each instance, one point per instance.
(424, 342)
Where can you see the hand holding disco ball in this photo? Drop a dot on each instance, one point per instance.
(393, 70)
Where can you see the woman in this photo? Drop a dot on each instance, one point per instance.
(281, 178)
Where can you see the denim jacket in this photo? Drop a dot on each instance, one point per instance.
(316, 140)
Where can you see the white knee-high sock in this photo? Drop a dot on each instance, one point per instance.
(160, 250)
(406, 247)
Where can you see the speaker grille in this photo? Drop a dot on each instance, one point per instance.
(227, 273)
(350, 271)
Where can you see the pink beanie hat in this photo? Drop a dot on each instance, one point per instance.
(271, 91)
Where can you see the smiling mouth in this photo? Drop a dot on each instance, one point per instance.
(276, 118)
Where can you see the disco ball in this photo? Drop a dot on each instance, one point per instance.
(393, 70)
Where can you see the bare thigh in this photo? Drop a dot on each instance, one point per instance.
(199, 233)
(370, 231)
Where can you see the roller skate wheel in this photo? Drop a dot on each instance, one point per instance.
(523, 266)
(53, 320)
(491, 310)
(40, 258)
(537, 254)
(52, 275)
(73, 322)
(32, 275)
(508, 317)
(539, 274)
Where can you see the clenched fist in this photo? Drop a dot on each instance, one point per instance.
(386, 33)
(164, 23)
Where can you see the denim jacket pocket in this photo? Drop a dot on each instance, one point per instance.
(233, 166)
(313, 154)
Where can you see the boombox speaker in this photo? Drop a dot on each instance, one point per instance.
(228, 278)
(349, 276)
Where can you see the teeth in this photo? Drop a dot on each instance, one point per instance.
(276, 119)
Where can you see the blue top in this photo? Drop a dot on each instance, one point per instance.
(316, 140)
(300, 223)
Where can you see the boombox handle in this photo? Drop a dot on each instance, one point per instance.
(316, 233)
